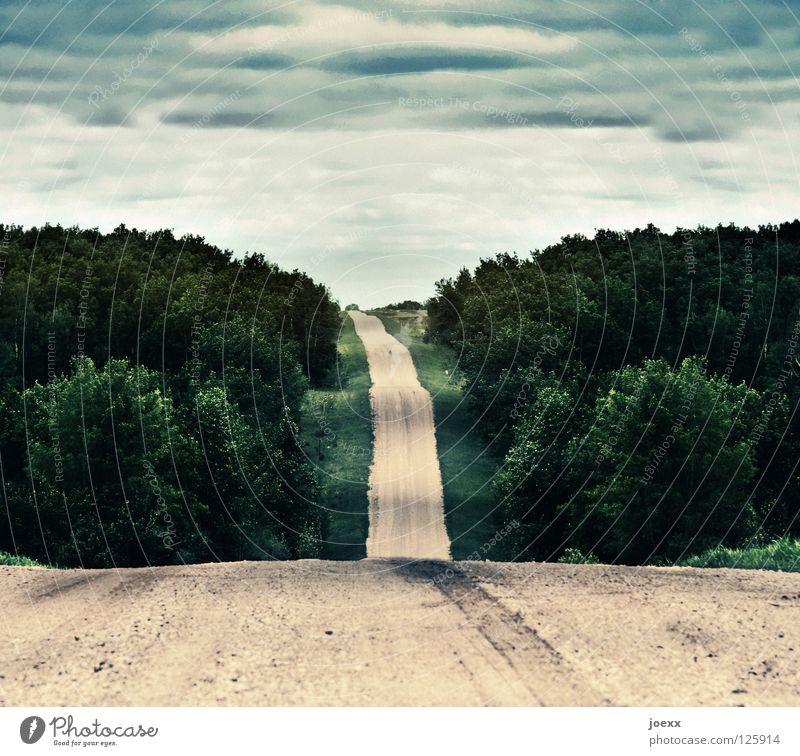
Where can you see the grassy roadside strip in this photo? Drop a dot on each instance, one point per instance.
(336, 434)
(466, 471)
(11, 560)
(783, 555)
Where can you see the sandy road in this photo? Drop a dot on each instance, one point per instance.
(388, 632)
(406, 505)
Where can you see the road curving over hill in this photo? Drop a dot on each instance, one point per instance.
(406, 501)
(393, 632)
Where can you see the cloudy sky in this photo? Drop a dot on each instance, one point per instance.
(381, 147)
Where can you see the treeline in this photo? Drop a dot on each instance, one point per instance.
(149, 397)
(406, 304)
(639, 388)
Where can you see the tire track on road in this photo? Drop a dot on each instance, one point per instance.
(541, 675)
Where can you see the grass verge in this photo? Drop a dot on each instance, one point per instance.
(336, 434)
(466, 471)
(11, 560)
(782, 555)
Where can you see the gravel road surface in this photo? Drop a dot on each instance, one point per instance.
(406, 503)
(390, 632)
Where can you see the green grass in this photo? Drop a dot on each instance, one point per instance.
(782, 555)
(10, 560)
(336, 434)
(466, 471)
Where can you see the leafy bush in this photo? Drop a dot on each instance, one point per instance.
(575, 556)
(666, 466)
(658, 464)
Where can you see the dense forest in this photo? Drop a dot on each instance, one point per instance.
(149, 397)
(639, 389)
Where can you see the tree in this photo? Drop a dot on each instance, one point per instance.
(666, 466)
(534, 480)
(124, 342)
(101, 458)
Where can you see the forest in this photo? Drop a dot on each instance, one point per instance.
(149, 396)
(637, 389)
(637, 392)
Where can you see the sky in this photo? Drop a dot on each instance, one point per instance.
(382, 147)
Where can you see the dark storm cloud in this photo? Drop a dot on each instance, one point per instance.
(86, 24)
(723, 20)
(594, 17)
(265, 61)
(709, 133)
(112, 116)
(719, 183)
(408, 60)
(38, 73)
(481, 115)
(588, 120)
(634, 64)
(224, 120)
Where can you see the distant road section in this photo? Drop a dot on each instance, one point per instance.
(406, 503)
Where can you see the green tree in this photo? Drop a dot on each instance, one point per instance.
(195, 321)
(102, 445)
(534, 480)
(666, 466)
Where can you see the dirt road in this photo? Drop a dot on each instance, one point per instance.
(385, 632)
(406, 505)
